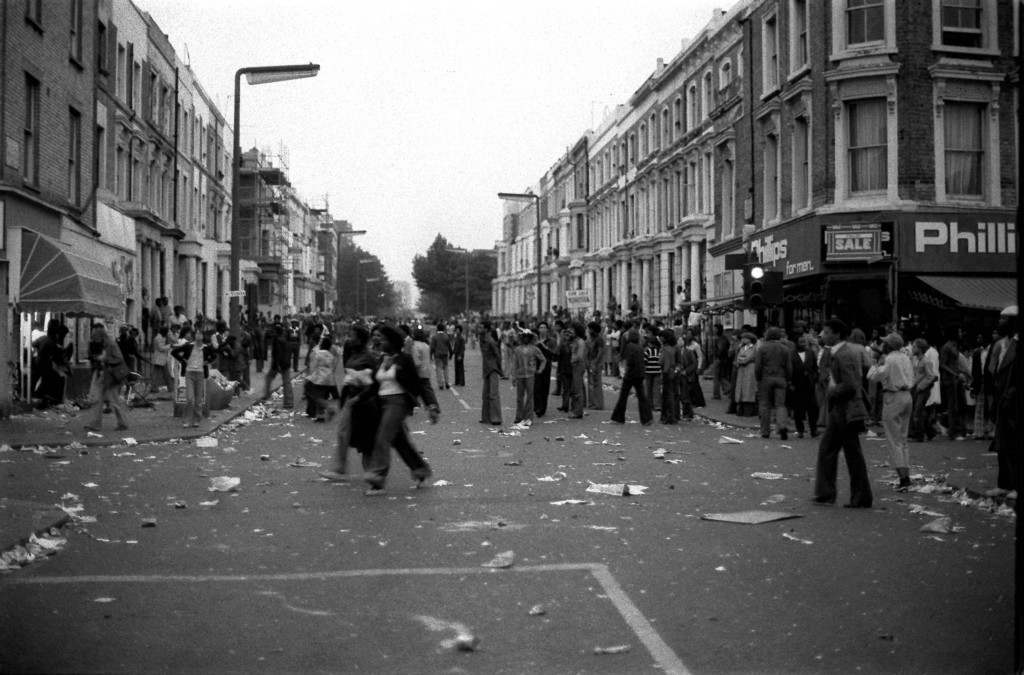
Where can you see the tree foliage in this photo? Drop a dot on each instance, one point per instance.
(357, 295)
(444, 276)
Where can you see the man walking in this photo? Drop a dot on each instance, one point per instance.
(280, 362)
(895, 374)
(773, 369)
(110, 370)
(633, 378)
(440, 350)
(845, 420)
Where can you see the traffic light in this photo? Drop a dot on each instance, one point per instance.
(761, 287)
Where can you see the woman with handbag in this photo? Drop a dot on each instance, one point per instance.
(110, 370)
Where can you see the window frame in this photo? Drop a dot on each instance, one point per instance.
(802, 170)
(848, 128)
(74, 176)
(843, 49)
(799, 44)
(75, 32)
(988, 30)
(724, 73)
(770, 79)
(30, 132)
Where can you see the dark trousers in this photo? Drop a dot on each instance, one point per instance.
(286, 384)
(578, 386)
(460, 370)
(637, 385)
(392, 432)
(952, 397)
(563, 384)
(840, 435)
(652, 387)
(771, 396)
(541, 390)
(921, 424)
(293, 350)
(805, 406)
(669, 401)
(490, 403)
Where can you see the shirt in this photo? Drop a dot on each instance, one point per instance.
(652, 359)
(195, 358)
(527, 360)
(894, 372)
(388, 380)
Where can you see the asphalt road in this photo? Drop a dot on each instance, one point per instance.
(291, 573)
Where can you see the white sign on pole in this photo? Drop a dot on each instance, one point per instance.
(235, 294)
(577, 299)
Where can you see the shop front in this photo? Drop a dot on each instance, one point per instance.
(956, 268)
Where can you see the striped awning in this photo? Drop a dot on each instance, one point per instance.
(54, 279)
(990, 293)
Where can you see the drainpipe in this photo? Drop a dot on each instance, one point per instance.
(177, 132)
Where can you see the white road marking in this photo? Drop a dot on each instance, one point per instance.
(666, 659)
(459, 399)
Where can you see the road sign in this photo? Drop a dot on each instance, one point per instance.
(234, 294)
(577, 299)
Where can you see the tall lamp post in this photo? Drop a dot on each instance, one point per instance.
(536, 198)
(366, 293)
(361, 261)
(253, 75)
(465, 253)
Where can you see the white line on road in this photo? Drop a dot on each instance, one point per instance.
(459, 398)
(663, 655)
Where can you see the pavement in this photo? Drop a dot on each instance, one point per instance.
(290, 573)
(59, 432)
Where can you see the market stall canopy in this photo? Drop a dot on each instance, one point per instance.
(53, 279)
(992, 293)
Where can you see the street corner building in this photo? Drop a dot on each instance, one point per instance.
(864, 149)
(115, 189)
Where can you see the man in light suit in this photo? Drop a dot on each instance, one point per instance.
(845, 420)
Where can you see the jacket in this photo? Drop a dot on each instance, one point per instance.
(183, 351)
(490, 354)
(845, 399)
(773, 359)
(633, 355)
(280, 356)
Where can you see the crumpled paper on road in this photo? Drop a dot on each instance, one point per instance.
(618, 489)
(224, 484)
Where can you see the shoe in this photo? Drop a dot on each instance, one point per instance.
(766, 435)
(822, 501)
(799, 434)
(375, 492)
(334, 476)
(783, 434)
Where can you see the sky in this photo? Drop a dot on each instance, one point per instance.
(424, 111)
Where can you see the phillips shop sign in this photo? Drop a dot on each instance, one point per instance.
(983, 243)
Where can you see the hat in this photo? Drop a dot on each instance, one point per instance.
(894, 341)
(526, 331)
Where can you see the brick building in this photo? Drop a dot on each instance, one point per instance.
(115, 183)
(874, 167)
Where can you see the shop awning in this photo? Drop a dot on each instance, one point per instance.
(993, 293)
(54, 279)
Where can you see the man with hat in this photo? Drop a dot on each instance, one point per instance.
(894, 372)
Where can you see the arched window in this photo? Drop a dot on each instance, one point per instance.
(724, 74)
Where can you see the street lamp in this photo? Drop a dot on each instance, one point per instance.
(465, 252)
(366, 293)
(253, 75)
(536, 198)
(361, 261)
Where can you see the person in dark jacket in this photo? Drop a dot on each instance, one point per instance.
(633, 378)
(773, 368)
(259, 344)
(846, 416)
(805, 379)
(490, 354)
(280, 362)
(359, 410)
(548, 346)
(459, 357)
(195, 358)
(398, 386)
